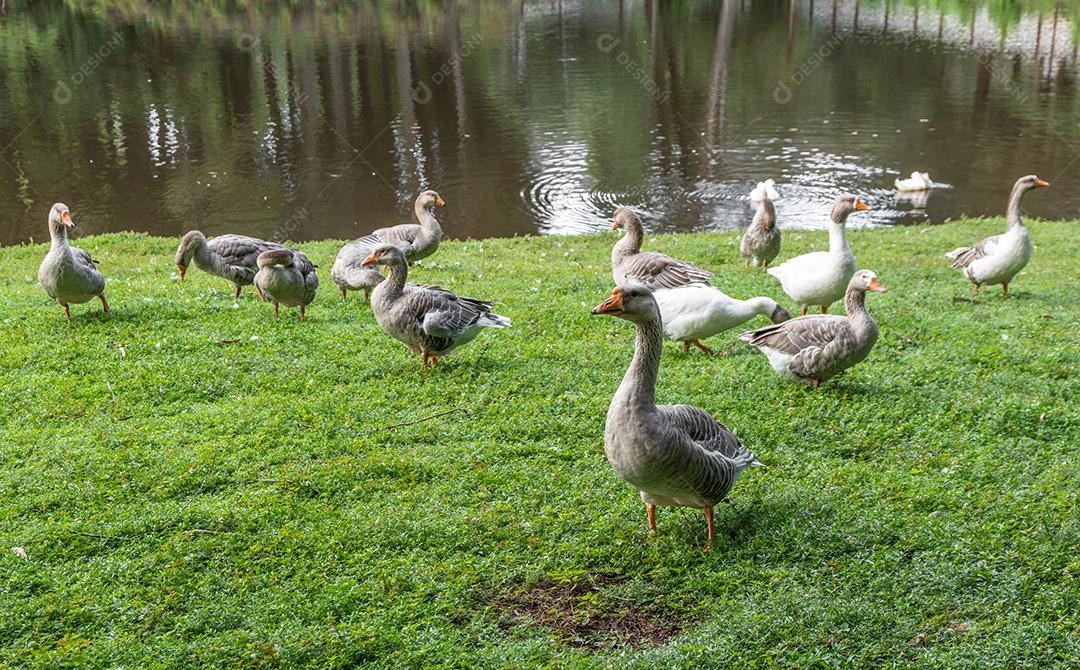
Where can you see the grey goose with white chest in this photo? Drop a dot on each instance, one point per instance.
(68, 274)
(675, 455)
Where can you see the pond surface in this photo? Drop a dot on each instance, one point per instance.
(285, 122)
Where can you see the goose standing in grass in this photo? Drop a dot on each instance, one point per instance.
(811, 349)
(430, 320)
(692, 313)
(287, 277)
(675, 455)
(415, 240)
(821, 278)
(761, 241)
(918, 181)
(630, 264)
(998, 258)
(67, 273)
(232, 257)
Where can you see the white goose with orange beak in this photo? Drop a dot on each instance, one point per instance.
(820, 278)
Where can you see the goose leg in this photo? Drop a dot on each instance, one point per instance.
(275, 310)
(824, 309)
(804, 310)
(433, 360)
(974, 289)
(425, 360)
(816, 383)
(104, 303)
(262, 296)
(67, 312)
(1005, 290)
(342, 294)
(704, 348)
(367, 296)
(650, 510)
(709, 523)
(301, 312)
(685, 347)
(237, 293)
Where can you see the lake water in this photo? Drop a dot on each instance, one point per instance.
(528, 117)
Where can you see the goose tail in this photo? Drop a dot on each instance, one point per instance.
(493, 320)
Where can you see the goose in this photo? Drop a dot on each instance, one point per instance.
(998, 258)
(692, 313)
(811, 349)
(918, 181)
(287, 276)
(349, 275)
(761, 241)
(430, 320)
(67, 273)
(764, 190)
(821, 277)
(674, 455)
(630, 263)
(232, 257)
(416, 240)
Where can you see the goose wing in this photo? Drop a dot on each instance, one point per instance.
(657, 271)
(814, 342)
(241, 254)
(402, 235)
(713, 436)
(965, 256)
(443, 313)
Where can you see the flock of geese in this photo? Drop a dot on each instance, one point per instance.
(675, 455)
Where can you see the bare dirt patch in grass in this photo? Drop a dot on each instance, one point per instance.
(589, 613)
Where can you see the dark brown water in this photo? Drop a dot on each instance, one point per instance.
(284, 121)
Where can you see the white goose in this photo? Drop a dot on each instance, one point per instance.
(698, 311)
(764, 189)
(820, 278)
(918, 181)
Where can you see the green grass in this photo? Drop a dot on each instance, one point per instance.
(187, 503)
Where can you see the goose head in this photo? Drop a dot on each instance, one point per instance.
(385, 254)
(633, 303)
(275, 257)
(846, 204)
(625, 218)
(429, 199)
(60, 217)
(1028, 183)
(189, 244)
(865, 280)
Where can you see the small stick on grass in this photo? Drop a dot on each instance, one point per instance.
(426, 418)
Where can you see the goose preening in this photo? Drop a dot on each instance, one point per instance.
(674, 455)
(692, 313)
(811, 349)
(821, 278)
(630, 264)
(67, 273)
(287, 277)
(998, 258)
(761, 241)
(350, 275)
(764, 190)
(430, 320)
(232, 257)
(918, 181)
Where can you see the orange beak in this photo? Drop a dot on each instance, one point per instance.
(183, 271)
(612, 305)
(370, 260)
(875, 285)
(439, 201)
(861, 206)
(1041, 183)
(65, 219)
(615, 225)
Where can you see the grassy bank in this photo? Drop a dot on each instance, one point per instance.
(195, 484)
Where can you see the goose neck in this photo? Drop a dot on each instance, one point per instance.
(638, 386)
(1013, 212)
